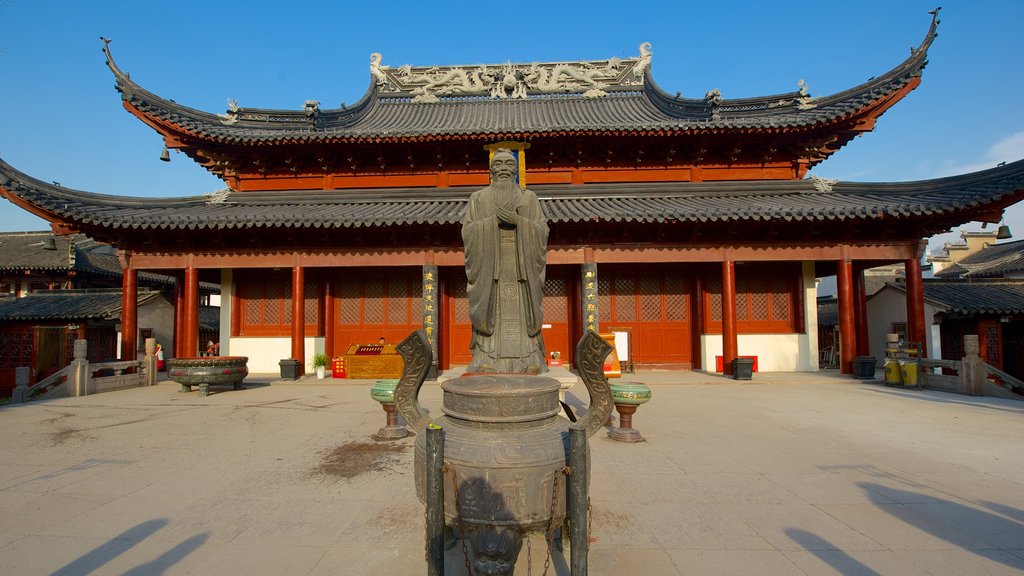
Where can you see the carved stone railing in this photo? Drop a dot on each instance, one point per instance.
(81, 378)
(972, 376)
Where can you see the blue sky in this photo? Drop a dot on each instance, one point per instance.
(61, 119)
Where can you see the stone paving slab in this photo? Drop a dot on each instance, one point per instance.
(785, 474)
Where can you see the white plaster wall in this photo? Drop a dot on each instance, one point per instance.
(889, 305)
(266, 353)
(775, 352)
(158, 315)
(227, 288)
(808, 355)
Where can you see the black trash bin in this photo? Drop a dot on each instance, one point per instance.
(289, 369)
(864, 367)
(743, 368)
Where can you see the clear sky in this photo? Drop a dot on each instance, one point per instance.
(61, 118)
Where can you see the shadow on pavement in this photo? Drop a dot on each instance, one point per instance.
(829, 553)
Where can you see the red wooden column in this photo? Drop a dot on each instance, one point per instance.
(730, 344)
(915, 304)
(847, 317)
(179, 313)
(129, 314)
(190, 315)
(299, 317)
(860, 311)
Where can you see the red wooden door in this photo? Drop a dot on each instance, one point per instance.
(371, 305)
(460, 330)
(556, 316)
(654, 305)
(990, 340)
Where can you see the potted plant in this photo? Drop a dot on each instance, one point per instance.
(320, 361)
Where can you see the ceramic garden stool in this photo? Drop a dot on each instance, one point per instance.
(384, 392)
(627, 396)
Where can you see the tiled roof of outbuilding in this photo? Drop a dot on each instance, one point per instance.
(68, 305)
(993, 261)
(644, 108)
(784, 201)
(973, 297)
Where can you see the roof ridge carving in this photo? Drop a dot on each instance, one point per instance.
(430, 84)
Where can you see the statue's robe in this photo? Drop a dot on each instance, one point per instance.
(505, 259)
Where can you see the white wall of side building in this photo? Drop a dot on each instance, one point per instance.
(889, 305)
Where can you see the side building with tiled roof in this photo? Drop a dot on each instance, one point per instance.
(992, 308)
(688, 223)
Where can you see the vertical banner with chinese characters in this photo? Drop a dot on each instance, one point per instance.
(589, 316)
(431, 319)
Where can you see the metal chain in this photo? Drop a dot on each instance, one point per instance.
(550, 535)
(458, 515)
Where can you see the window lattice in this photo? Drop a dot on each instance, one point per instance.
(555, 306)
(15, 350)
(992, 343)
(742, 306)
(252, 304)
(373, 302)
(286, 288)
(758, 299)
(398, 299)
(625, 299)
(650, 299)
(715, 290)
(311, 299)
(676, 295)
(604, 299)
(781, 303)
(348, 302)
(272, 312)
(461, 303)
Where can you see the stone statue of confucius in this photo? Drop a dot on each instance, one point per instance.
(505, 236)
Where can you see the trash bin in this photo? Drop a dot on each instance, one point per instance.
(864, 367)
(289, 369)
(909, 372)
(743, 368)
(893, 376)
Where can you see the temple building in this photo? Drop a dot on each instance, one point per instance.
(689, 223)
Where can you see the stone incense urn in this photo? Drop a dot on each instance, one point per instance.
(208, 370)
(505, 450)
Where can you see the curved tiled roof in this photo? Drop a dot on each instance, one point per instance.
(641, 109)
(991, 261)
(68, 305)
(780, 201)
(971, 297)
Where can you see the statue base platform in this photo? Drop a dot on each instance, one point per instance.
(565, 378)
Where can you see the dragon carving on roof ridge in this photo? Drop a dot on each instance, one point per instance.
(510, 81)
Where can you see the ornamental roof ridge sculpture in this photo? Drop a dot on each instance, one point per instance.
(522, 101)
(430, 84)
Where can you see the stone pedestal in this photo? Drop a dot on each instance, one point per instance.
(384, 392)
(627, 396)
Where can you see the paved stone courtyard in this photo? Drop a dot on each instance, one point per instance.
(790, 474)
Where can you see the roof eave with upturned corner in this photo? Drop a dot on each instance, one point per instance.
(643, 109)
